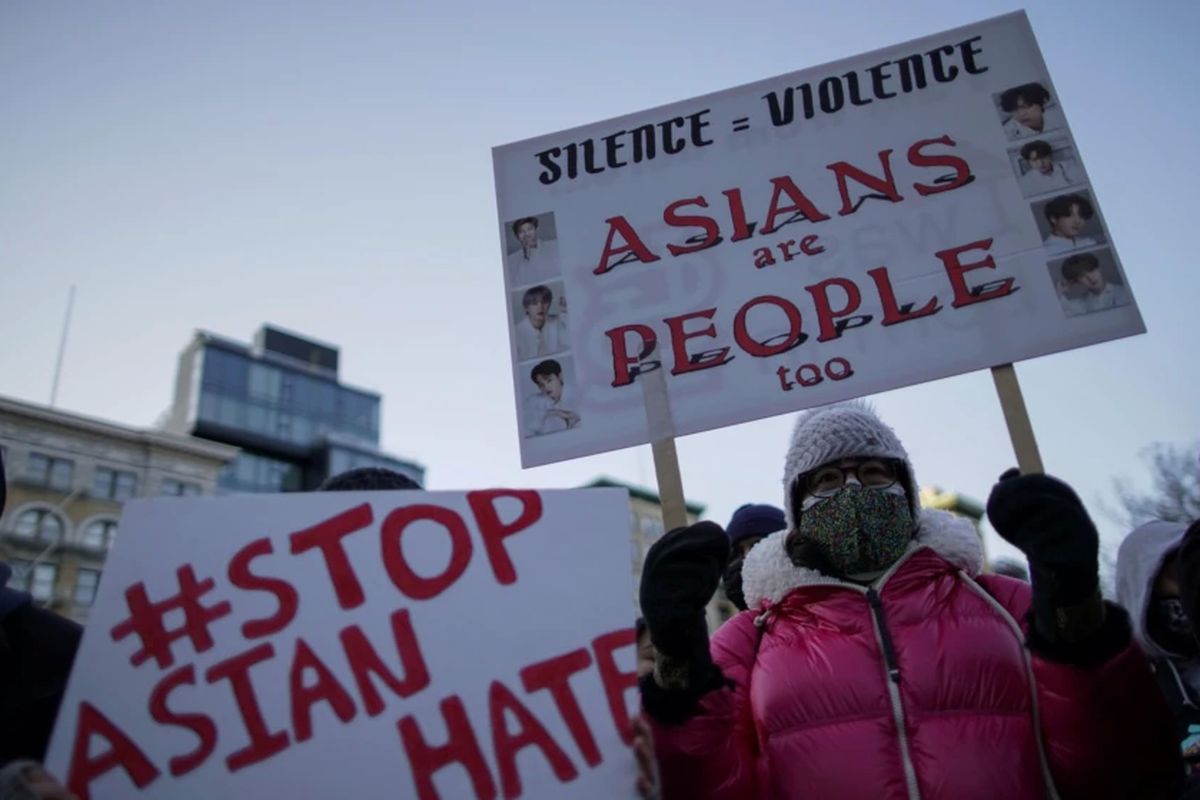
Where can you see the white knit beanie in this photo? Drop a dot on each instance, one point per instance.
(842, 430)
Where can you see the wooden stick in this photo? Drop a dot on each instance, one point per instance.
(1020, 430)
(670, 483)
(661, 427)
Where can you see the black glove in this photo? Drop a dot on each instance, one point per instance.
(1045, 520)
(679, 577)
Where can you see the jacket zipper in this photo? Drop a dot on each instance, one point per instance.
(893, 684)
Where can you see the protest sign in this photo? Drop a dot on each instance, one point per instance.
(893, 218)
(377, 644)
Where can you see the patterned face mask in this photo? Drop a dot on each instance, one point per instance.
(858, 530)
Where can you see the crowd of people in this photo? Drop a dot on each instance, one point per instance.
(873, 655)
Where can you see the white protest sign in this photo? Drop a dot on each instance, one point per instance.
(373, 644)
(893, 218)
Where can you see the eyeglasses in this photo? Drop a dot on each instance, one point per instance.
(874, 473)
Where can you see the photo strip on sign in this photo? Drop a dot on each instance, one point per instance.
(893, 218)
(412, 644)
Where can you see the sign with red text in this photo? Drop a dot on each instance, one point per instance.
(904, 215)
(374, 644)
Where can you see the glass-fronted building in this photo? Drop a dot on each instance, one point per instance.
(280, 401)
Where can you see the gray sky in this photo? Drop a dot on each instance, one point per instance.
(327, 167)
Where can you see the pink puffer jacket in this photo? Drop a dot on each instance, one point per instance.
(920, 687)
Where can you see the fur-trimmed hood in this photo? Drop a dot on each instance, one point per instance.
(768, 574)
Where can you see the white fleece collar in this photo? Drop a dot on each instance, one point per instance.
(768, 573)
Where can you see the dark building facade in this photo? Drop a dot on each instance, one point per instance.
(279, 399)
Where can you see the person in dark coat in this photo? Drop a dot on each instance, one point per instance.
(37, 650)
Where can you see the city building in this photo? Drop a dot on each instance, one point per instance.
(279, 400)
(646, 526)
(68, 476)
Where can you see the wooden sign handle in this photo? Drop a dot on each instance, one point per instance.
(1020, 430)
(670, 483)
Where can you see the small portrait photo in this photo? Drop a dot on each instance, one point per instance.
(1068, 222)
(539, 320)
(1045, 165)
(550, 400)
(531, 248)
(1028, 110)
(1087, 282)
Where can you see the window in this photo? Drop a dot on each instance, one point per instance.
(20, 575)
(225, 370)
(175, 488)
(42, 584)
(652, 529)
(114, 484)
(39, 523)
(99, 535)
(86, 581)
(49, 471)
(265, 382)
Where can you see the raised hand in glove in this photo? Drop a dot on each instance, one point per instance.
(1045, 520)
(679, 577)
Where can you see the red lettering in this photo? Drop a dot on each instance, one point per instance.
(634, 246)
(461, 748)
(892, 312)
(962, 170)
(402, 575)
(712, 233)
(494, 532)
(530, 732)
(617, 682)
(825, 313)
(885, 185)
(122, 752)
(683, 362)
(844, 369)
(263, 743)
(364, 662)
(326, 689)
(327, 537)
(199, 724)
(286, 598)
(554, 675)
(800, 204)
(761, 349)
(622, 360)
(809, 246)
(955, 269)
(813, 378)
(737, 213)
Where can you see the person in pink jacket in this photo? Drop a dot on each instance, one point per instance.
(875, 661)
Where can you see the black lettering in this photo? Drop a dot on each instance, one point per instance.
(781, 110)
(968, 56)
(878, 76)
(672, 145)
(940, 73)
(611, 146)
(552, 171)
(589, 158)
(698, 127)
(846, 323)
(855, 97)
(912, 73)
(643, 143)
(831, 95)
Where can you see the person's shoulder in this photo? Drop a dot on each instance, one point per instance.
(50, 639)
